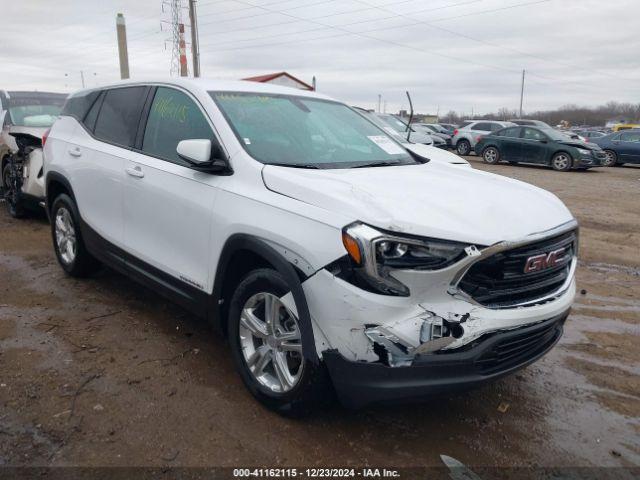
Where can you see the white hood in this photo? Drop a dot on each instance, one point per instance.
(430, 200)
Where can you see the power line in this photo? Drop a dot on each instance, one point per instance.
(288, 22)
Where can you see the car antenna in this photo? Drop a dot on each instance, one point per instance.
(410, 117)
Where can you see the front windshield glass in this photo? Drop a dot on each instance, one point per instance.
(306, 132)
(556, 135)
(35, 111)
(392, 132)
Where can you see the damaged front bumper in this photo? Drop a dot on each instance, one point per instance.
(494, 355)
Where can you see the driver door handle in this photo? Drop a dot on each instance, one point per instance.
(135, 171)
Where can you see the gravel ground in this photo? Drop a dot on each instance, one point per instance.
(102, 372)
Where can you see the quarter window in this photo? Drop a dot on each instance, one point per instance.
(483, 127)
(173, 117)
(119, 116)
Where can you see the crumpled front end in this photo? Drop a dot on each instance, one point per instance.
(490, 293)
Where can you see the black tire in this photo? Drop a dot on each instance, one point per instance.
(562, 162)
(11, 196)
(611, 160)
(463, 147)
(313, 388)
(5, 178)
(16, 209)
(83, 263)
(491, 155)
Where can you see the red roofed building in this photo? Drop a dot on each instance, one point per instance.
(283, 79)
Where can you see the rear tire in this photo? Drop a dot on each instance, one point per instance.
(273, 369)
(611, 160)
(463, 147)
(71, 252)
(491, 155)
(561, 162)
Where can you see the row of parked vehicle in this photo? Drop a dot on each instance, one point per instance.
(333, 254)
(535, 142)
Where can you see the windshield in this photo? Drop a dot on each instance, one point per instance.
(34, 110)
(306, 132)
(395, 123)
(392, 132)
(556, 135)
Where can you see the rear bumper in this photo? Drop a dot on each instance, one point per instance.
(492, 356)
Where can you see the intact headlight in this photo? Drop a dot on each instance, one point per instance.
(583, 151)
(376, 254)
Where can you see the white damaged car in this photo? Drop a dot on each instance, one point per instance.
(325, 251)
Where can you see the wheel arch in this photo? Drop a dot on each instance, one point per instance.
(243, 253)
(56, 184)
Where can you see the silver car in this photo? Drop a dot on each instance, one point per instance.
(466, 136)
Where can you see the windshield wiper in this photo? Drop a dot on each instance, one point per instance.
(380, 164)
(295, 165)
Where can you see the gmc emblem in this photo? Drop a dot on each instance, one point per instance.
(543, 261)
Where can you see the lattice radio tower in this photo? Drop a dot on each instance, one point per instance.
(178, 44)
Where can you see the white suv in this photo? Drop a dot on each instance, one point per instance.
(327, 253)
(467, 135)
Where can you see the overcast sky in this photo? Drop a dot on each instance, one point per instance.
(450, 54)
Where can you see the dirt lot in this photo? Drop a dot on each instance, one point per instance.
(102, 372)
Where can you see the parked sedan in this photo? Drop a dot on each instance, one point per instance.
(436, 131)
(620, 147)
(544, 146)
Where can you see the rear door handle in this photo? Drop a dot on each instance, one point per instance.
(135, 171)
(75, 151)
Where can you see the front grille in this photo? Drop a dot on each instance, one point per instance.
(517, 349)
(500, 280)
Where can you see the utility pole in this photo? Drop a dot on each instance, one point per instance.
(82, 78)
(379, 102)
(195, 43)
(121, 29)
(521, 94)
(313, 83)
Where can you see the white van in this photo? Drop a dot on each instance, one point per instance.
(327, 253)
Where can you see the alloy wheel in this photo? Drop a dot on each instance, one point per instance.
(65, 235)
(491, 155)
(611, 159)
(561, 161)
(271, 342)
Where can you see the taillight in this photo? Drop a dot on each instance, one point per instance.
(455, 132)
(45, 135)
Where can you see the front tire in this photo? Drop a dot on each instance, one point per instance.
(611, 160)
(463, 147)
(6, 177)
(561, 162)
(71, 252)
(266, 346)
(491, 155)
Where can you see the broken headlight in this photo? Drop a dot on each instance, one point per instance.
(376, 254)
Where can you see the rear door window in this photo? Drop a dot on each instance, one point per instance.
(495, 127)
(513, 132)
(119, 115)
(173, 117)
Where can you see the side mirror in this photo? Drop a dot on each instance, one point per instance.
(202, 155)
(196, 151)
